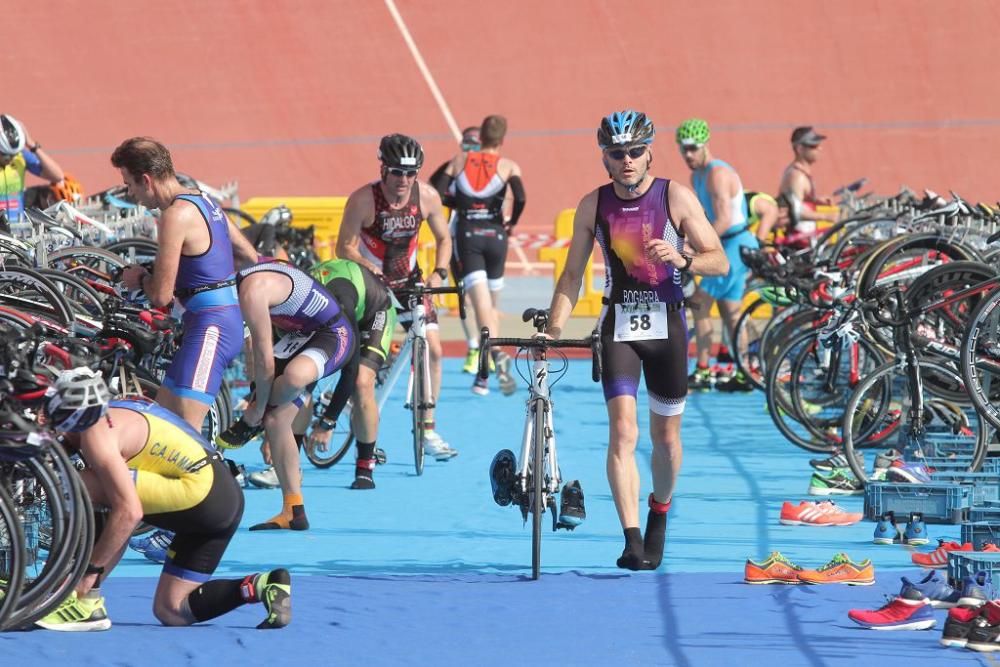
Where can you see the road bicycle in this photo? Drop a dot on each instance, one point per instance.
(532, 481)
(413, 355)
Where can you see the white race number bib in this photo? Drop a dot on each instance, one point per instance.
(640, 321)
(290, 344)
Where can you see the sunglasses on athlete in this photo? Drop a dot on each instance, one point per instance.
(409, 173)
(690, 148)
(635, 153)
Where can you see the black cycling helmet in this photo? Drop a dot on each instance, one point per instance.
(400, 151)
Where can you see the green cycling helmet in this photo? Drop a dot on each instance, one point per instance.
(693, 131)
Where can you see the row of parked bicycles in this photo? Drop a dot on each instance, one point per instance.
(884, 333)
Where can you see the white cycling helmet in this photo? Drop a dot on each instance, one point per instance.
(77, 400)
(11, 135)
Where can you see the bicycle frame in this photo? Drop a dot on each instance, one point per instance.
(539, 399)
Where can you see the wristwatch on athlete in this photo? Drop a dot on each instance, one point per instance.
(94, 569)
(442, 273)
(687, 262)
(325, 424)
(34, 149)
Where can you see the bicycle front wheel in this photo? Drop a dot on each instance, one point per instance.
(418, 401)
(334, 452)
(539, 504)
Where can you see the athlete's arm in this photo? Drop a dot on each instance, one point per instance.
(430, 202)
(244, 254)
(39, 162)
(767, 215)
(109, 482)
(517, 193)
(795, 187)
(722, 187)
(358, 212)
(257, 314)
(580, 248)
(709, 258)
(440, 180)
(172, 231)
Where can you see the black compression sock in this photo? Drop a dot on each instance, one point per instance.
(632, 556)
(217, 597)
(365, 466)
(656, 532)
(300, 440)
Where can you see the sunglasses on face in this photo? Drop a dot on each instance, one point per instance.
(635, 153)
(399, 173)
(690, 148)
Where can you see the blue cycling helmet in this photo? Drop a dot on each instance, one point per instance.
(625, 128)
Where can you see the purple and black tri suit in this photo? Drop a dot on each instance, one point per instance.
(642, 324)
(316, 325)
(212, 323)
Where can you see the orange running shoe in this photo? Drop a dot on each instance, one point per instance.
(841, 570)
(838, 515)
(806, 513)
(775, 569)
(938, 559)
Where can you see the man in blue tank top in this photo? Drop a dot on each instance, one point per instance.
(650, 230)
(195, 264)
(720, 192)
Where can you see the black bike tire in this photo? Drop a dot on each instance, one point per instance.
(970, 373)
(538, 504)
(15, 569)
(851, 448)
(335, 453)
(744, 357)
(418, 402)
(55, 300)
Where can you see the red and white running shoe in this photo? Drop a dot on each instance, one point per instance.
(938, 559)
(812, 513)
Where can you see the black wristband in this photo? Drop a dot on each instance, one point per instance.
(94, 569)
(325, 424)
(35, 148)
(442, 273)
(687, 262)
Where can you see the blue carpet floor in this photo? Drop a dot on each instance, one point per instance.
(428, 570)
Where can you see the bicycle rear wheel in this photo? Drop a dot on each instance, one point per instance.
(538, 501)
(418, 401)
(334, 452)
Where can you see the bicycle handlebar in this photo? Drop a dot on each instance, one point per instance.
(593, 343)
(419, 289)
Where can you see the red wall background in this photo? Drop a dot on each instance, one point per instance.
(290, 98)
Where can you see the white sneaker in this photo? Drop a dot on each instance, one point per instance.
(434, 445)
(508, 385)
(265, 479)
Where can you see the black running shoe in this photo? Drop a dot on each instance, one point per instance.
(736, 384)
(837, 460)
(503, 471)
(700, 380)
(571, 509)
(274, 590)
(237, 435)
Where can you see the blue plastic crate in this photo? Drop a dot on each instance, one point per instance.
(985, 485)
(962, 564)
(989, 511)
(940, 502)
(980, 533)
(961, 463)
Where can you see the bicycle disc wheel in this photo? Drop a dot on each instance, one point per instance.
(538, 503)
(418, 401)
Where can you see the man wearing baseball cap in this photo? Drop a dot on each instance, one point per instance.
(797, 185)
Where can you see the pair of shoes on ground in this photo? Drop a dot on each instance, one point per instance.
(912, 608)
(776, 569)
(973, 627)
(817, 513)
(503, 481)
(887, 531)
(938, 559)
